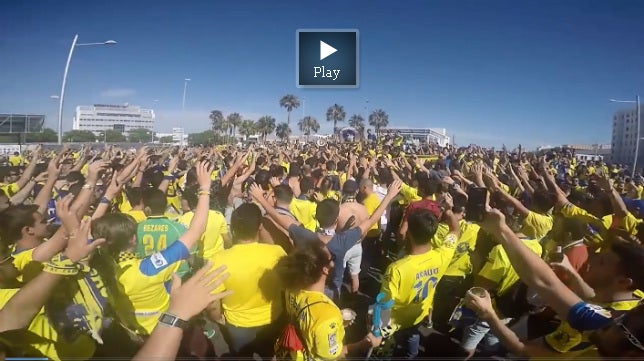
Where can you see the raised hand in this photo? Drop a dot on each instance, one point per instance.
(66, 214)
(480, 303)
(204, 175)
(190, 298)
(80, 244)
(114, 188)
(95, 168)
(394, 188)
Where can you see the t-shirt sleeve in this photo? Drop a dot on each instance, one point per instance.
(390, 283)
(300, 234)
(157, 262)
(494, 268)
(328, 339)
(584, 317)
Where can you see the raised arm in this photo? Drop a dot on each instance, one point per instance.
(198, 223)
(84, 198)
(43, 197)
(392, 192)
(531, 268)
(29, 171)
(258, 195)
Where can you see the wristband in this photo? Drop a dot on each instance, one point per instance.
(203, 193)
(169, 177)
(105, 200)
(88, 186)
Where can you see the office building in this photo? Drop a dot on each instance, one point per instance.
(100, 117)
(625, 137)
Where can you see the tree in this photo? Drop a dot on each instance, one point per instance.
(378, 119)
(80, 136)
(283, 131)
(112, 136)
(139, 135)
(217, 121)
(265, 126)
(307, 125)
(290, 102)
(167, 139)
(247, 128)
(357, 121)
(46, 136)
(234, 120)
(335, 114)
(204, 138)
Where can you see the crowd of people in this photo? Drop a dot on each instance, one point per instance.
(150, 252)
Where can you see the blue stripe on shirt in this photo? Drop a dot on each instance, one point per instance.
(157, 262)
(584, 316)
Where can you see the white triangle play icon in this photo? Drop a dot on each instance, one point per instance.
(326, 50)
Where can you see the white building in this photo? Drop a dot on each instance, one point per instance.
(428, 135)
(625, 137)
(100, 117)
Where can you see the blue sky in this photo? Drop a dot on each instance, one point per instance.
(491, 72)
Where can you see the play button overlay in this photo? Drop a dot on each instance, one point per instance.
(327, 58)
(326, 50)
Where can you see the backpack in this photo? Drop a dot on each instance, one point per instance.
(290, 339)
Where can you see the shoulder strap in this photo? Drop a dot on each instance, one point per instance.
(296, 324)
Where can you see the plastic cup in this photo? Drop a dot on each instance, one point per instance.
(348, 314)
(477, 291)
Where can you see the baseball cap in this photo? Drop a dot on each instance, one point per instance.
(350, 187)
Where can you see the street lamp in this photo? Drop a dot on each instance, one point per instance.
(185, 88)
(639, 135)
(62, 88)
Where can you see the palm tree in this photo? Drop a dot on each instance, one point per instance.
(335, 114)
(217, 121)
(234, 120)
(290, 102)
(247, 128)
(378, 119)
(357, 121)
(283, 131)
(265, 126)
(307, 125)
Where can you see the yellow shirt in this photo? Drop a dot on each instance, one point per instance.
(498, 268)
(15, 160)
(460, 264)
(41, 337)
(566, 339)
(9, 189)
(147, 293)
(409, 194)
(256, 300)
(411, 282)
(320, 323)
(304, 211)
(138, 215)
(536, 225)
(212, 240)
(371, 203)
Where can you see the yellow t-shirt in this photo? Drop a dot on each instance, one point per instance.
(212, 240)
(460, 264)
(15, 160)
(498, 268)
(536, 225)
(409, 194)
(566, 339)
(40, 337)
(147, 293)
(138, 215)
(304, 211)
(320, 323)
(371, 203)
(10, 189)
(256, 300)
(411, 282)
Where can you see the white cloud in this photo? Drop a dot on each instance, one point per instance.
(118, 93)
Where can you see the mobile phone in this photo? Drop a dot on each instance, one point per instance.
(475, 209)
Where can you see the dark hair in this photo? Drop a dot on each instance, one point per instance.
(330, 165)
(422, 226)
(263, 178)
(156, 200)
(75, 177)
(426, 186)
(460, 202)
(245, 221)
(304, 266)
(190, 196)
(134, 195)
(306, 185)
(327, 212)
(14, 219)
(631, 260)
(117, 229)
(294, 170)
(283, 193)
(152, 177)
(543, 201)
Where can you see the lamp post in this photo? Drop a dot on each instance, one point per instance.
(639, 136)
(185, 88)
(62, 88)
